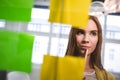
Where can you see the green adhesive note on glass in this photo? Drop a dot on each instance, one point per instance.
(16, 10)
(15, 51)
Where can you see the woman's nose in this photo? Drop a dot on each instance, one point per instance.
(86, 39)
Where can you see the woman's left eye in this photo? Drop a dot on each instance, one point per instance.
(93, 33)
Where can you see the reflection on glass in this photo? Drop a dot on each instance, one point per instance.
(61, 28)
(58, 46)
(40, 13)
(39, 49)
(113, 28)
(39, 21)
(111, 57)
(113, 35)
(45, 28)
(2, 24)
(38, 27)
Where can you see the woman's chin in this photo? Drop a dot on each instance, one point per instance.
(82, 53)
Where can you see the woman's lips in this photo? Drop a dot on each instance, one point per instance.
(84, 47)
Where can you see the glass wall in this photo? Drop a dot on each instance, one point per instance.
(2, 23)
(52, 38)
(112, 44)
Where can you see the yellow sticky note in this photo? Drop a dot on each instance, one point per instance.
(74, 12)
(62, 68)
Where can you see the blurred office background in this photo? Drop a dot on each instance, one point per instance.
(52, 38)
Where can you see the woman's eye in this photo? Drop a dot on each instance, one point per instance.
(80, 32)
(94, 33)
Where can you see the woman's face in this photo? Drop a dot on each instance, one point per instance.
(87, 38)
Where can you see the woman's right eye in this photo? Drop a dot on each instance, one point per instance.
(80, 32)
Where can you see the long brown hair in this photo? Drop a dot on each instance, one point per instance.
(72, 50)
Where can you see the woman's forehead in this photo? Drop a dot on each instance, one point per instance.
(91, 26)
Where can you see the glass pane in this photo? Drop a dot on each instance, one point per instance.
(38, 13)
(113, 34)
(61, 28)
(102, 20)
(39, 49)
(111, 57)
(38, 27)
(58, 46)
(113, 28)
(39, 22)
(45, 27)
(2, 24)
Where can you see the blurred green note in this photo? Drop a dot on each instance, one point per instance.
(15, 51)
(16, 10)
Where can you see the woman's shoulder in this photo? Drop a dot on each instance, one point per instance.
(103, 74)
(110, 75)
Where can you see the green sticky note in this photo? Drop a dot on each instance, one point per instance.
(16, 10)
(15, 51)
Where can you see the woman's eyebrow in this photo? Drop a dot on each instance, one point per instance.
(95, 30)
(90, 30)
(81, 30)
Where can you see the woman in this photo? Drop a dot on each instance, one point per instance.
(90, 40)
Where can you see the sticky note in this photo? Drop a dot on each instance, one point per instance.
(73, 12)
(16, 10)
(15, 51)
(62, 68)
